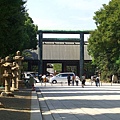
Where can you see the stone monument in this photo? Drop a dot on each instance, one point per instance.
(18, 59)
(14, 76)
(7, 75)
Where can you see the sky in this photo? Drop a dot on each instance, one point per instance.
(64, 14)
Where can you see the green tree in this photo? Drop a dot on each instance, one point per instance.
(17, 30)
(31, 33)
(57, 67)
(104, 42)
(12, 20)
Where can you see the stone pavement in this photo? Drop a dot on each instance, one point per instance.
(62, 102)
(17, 107)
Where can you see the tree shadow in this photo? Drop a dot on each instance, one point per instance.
(17, 107)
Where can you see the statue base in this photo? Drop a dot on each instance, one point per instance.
(1, 105)
(7, 94)
(14, 89)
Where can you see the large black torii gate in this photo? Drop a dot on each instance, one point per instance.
(81, 40)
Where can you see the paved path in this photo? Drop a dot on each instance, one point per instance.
(75, 103)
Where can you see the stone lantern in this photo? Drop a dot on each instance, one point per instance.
(18, 59)
(14, 76)
(7, 75)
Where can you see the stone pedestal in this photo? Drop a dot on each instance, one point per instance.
(1, 105)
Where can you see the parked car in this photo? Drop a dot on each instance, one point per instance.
(27, 75)
(61, 77)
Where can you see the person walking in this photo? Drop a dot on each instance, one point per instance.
(97, 81)
(40, 78)
(68, 78)
(83, 81)
(92, 79)
(73, 80)
(32, 81)
(77, 80)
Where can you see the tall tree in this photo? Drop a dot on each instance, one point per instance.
(17, 30)
(31, 33)
(104, 42)
(12, 20)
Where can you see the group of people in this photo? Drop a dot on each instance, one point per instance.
(96, 79)
(74, 79)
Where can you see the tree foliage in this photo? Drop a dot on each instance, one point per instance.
(31, 32)
(57, 67)
(15, 29)
(104, 42)
(12, 24)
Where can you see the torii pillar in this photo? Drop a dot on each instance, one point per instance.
(81, 54)
(40, 62)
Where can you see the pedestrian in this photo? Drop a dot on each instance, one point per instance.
(40, 78)
(92, 79)
(68, 78)
(77, 80)
(97, 81)
(114, 78)
(73, 80)
(83, 81)
(44, 78)
(32, 82)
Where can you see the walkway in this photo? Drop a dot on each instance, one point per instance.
(75, 103)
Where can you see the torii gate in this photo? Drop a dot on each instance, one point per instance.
(81, 40)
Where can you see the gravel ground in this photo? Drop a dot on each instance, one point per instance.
(17, 107)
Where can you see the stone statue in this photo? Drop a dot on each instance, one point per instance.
(18, 59)
(14, 76)
(7, 75)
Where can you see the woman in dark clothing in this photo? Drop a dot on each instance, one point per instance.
(68, 78)
(83, 81)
